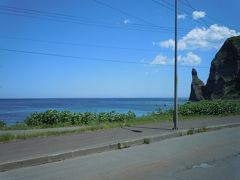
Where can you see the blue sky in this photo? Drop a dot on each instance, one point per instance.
(41, 26)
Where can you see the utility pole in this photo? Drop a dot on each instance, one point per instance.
(175, 112)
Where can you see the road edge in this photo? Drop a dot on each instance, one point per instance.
(7, 166)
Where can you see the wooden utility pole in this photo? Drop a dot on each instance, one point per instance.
(175, 113)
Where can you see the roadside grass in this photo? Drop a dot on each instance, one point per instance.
(93, 122)
(122, 145)
(198, 130)
(17, 126)
(7, 137)
(146, 141)
(11, 137)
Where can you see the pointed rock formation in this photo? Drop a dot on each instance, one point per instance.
(224, 78)
(196, 87)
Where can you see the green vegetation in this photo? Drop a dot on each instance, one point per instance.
(210, 108)
(194, 131)
(6, 137)
(95, 121)
(190, 131)
(53, 117)
(17, 126)
(2, 124)
(146, 141)
(235, 40)
(122, 145)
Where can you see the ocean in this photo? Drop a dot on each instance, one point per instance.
(16, 110)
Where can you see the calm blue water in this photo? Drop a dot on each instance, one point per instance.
(16, 110)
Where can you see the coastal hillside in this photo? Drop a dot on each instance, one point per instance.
(224, 78)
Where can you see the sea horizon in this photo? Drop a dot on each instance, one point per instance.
(17, 109)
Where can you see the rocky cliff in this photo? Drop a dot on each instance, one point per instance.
(196, 87)
(224, 78)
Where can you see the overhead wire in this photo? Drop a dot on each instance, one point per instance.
(75, 19)
(170, 7)
(79, 44)
(55, 15)
(189, 5)
(80, 20)
(91, 24)
(123, 12)
(91, 58)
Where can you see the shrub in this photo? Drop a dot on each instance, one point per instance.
(88, 117)
(53, 117)
(210, 108)
(190, 131)
(2, 124)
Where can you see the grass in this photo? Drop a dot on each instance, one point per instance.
(7, 137)
(190, 131)
(99, 126)
(146, 141)
(189, 111)
(10, 137)
(122, 146)
(198, 130)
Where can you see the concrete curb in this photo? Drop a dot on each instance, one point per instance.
(103, 148)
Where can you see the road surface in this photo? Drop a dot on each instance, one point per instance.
(39, 147)
(210, 155)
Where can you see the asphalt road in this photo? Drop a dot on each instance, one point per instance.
(38, 147)
(211, 155)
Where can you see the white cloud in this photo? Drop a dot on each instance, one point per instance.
(198, 15)
(127, 21)
(201, 38)
(167, 44)
(160, 59)
(182, 16)
(190, 59)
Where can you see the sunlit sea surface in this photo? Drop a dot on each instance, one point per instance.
(16, 110)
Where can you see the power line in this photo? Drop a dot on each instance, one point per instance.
(44, 12)
(201, 20)
(57, 15)
(91, 24)
(170, 7)
(124, 12)
(66, 16)
(79, 20)
(79, 44)
(69, 56)
(97, 25)
(91, 58)
(189, 5)
(163, 5)
(194, 9)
